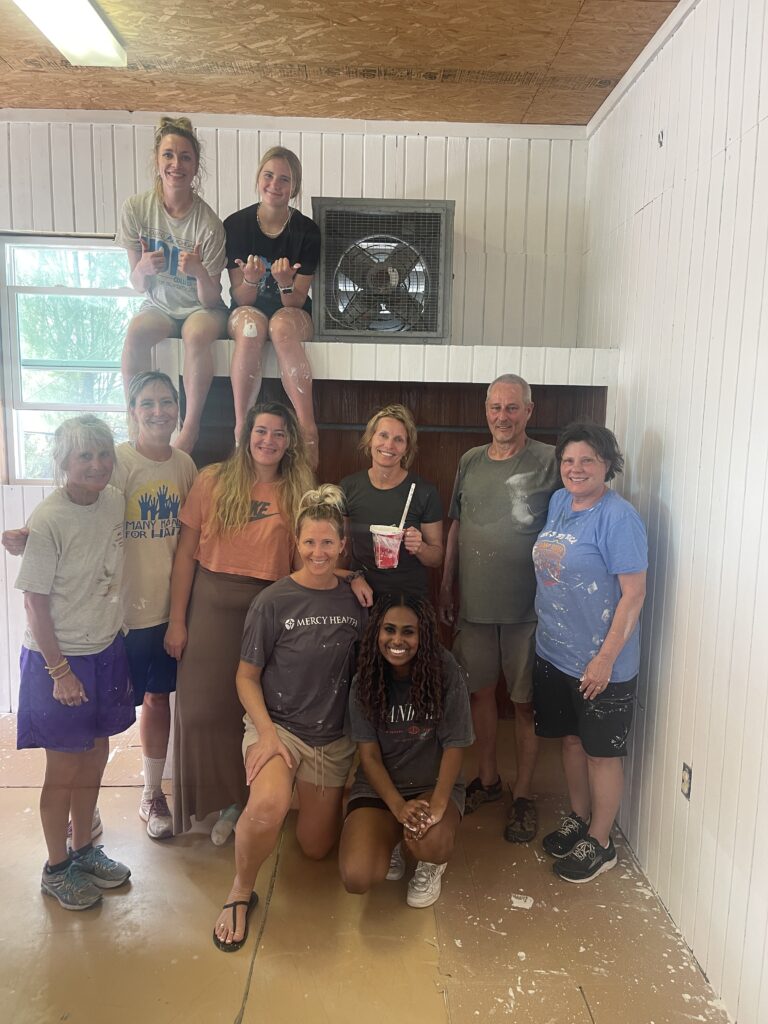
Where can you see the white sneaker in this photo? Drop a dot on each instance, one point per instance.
(424, 887)
(225, 826)
(155, 811)
(96, 827)
(396, 864)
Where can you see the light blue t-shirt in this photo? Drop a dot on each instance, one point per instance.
(577, 559)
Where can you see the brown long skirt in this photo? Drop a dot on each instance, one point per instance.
(208, 772)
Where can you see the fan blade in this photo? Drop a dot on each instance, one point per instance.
(357, 265)
(359, 311)
(402, 260)
(405, 308)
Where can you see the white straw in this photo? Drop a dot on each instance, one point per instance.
(407, 505)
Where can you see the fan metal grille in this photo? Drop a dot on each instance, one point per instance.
(382, 271)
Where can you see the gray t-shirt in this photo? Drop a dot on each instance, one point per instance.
(305, 641)
(412, 750)
(144, 216)
(74, 554)
(501, 506)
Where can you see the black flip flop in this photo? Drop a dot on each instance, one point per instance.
(232, 947)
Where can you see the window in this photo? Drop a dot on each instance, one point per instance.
(65, 309)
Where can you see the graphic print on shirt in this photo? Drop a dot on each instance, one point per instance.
(152, 511)
(548, 559)
(260, 510)
(400, 722)
(171, 251)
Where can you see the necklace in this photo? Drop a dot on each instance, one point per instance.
(280, 230)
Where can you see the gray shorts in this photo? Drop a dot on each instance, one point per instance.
(486, 649)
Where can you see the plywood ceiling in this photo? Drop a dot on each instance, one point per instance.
(498, 61)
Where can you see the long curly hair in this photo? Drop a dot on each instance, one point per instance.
(234, 478)
(426, 668)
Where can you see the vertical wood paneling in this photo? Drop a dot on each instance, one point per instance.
(227, 158)
(352, 163)
(104, 178)
(518, 230)
(40, 175)
(6, 217)
(21, 208)
(676, 273)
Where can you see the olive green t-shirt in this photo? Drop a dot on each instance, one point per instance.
(501, 506)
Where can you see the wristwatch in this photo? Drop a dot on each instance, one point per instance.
(286, 291)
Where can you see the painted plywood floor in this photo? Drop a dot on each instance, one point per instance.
(591, 954)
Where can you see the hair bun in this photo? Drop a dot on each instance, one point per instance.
(325, 494)
(173, 122)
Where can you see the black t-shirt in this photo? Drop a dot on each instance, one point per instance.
(299, 242)
(366, 505)
(411, 749)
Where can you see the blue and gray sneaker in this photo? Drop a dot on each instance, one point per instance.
(70, 887)
(99, 869)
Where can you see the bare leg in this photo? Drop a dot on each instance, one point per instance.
(255, 838)
(606, 784)
(288, 330)
(367, 840)
(248, 328)
(144, 332)
(155, 725)
(318, 825)
(577, 776)
(70, 789)
(527, 745)
(199, 332)
(485, 721)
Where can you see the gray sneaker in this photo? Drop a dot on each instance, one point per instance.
(97, 867)
(70, 887)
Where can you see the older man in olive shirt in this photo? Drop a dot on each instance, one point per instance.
(499, 505)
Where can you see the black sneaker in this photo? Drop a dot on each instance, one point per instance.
(478, 794)
(522, 821)
(586, 861)
(570, 830)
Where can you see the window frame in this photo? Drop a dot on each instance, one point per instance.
(12, 361)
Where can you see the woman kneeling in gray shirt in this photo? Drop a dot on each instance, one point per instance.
(296, 663)
(409, 713)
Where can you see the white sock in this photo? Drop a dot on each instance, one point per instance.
(153, 776)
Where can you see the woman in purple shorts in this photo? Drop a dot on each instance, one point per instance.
(75, 689)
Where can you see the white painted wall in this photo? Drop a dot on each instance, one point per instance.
(675, 276)
(519, 195)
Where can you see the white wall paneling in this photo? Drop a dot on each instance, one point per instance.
(675, 275)
(519, 195)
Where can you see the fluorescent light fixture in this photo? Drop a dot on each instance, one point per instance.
(78, 29)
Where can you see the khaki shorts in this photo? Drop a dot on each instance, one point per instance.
(485, 649)
(322, 766)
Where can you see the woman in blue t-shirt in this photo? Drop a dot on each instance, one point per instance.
(409, 714)
(272, 254)
(590, 561)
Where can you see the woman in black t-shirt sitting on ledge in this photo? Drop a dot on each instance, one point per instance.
(296, 663)
(272, 254)
(409, 714)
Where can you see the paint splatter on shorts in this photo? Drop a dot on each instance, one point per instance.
(559, 709)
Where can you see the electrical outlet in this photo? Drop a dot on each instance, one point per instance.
(685, 781)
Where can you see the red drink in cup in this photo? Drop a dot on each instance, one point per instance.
(386, 545)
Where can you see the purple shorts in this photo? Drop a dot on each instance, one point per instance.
(44, 722)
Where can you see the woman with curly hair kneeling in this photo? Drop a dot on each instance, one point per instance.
(409, 713)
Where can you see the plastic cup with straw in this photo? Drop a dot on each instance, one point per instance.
(387, 539)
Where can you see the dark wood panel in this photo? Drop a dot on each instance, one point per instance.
(450, 418)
